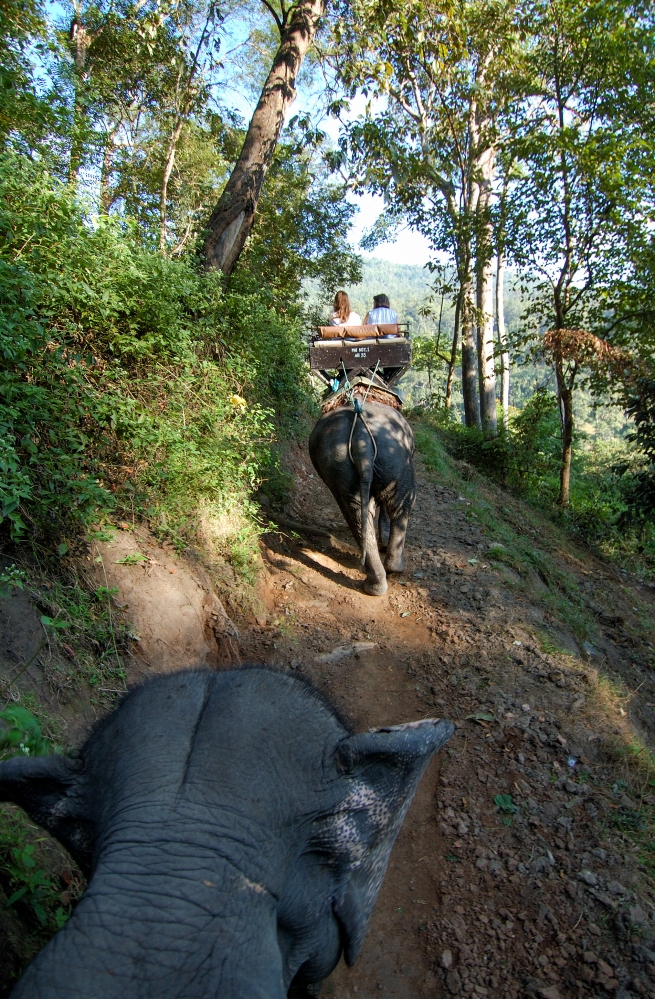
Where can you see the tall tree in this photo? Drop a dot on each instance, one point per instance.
(582, 190)
(232, 219)
(140, 79)
(439, 70)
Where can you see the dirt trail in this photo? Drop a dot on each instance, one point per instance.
(476, 902)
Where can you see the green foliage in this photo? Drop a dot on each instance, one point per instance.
(489, 454)
(608, 474)
(21, 733)
(535, 444)
(526, 459)
(640, 405)
(11, 578)
(23, 877)
(25, 882)
(132, 382)
(299, 234)
(505, 805)
(512, 531)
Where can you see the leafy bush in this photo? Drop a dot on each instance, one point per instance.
(526, 460)
(534, 446)
(132, 383)
(23, 879)
(640, 404)
(488, 454)
(610, 485)
(21, 734)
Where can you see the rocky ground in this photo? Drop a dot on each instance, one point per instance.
(521, 868)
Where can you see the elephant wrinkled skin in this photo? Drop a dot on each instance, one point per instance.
(234, 832)
(370, 471)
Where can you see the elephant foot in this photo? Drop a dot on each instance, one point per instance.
(376, 589)
(395, 564)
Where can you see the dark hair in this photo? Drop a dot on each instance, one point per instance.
(381, 302)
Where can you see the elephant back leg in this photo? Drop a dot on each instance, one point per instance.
(342, 469)
(399, 508)
(376, 583)
(384, 527)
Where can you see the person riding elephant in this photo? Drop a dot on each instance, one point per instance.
(381, 313)
(343, 314)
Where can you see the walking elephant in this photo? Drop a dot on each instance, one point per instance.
(234, 832)
(365, 459)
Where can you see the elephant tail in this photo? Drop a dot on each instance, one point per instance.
(365, 464)
(365, 495)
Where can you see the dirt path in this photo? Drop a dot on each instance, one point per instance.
(541, 899)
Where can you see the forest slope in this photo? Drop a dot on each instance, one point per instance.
(526, 858)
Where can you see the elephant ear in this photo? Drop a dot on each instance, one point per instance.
(49, 789)
(383, 769)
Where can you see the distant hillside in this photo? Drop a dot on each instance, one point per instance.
(410, 289)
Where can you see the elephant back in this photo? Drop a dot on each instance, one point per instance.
(372, 393)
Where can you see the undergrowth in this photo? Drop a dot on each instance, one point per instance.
(36, 878)
(82, 642)
(521, 538)
(132, 385)
(516, 538)
(525, 461)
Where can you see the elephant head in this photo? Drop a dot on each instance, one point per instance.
(235, 834)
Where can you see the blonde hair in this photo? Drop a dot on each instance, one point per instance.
(342, 306)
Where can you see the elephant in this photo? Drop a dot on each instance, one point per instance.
(365, 458)
(234, 832)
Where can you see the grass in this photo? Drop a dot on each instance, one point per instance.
(512, 529)
(83, 643)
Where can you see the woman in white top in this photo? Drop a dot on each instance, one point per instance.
(381, 313)
(342, 316)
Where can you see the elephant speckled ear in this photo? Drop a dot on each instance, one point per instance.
(383, 769)
(48, 789)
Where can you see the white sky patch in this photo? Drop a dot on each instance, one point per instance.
(409, 247)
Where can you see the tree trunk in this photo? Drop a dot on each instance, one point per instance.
(105, 195)
(565, 393)
(502, 337)
(168, 169)
(453, 354)
(80, 36)
(232, 218)
(485, 297)
(469, 362)
(485, 344)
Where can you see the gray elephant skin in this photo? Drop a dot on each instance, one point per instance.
(367, 473)
(234, 832)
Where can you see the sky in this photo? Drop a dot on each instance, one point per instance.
(409, 247)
